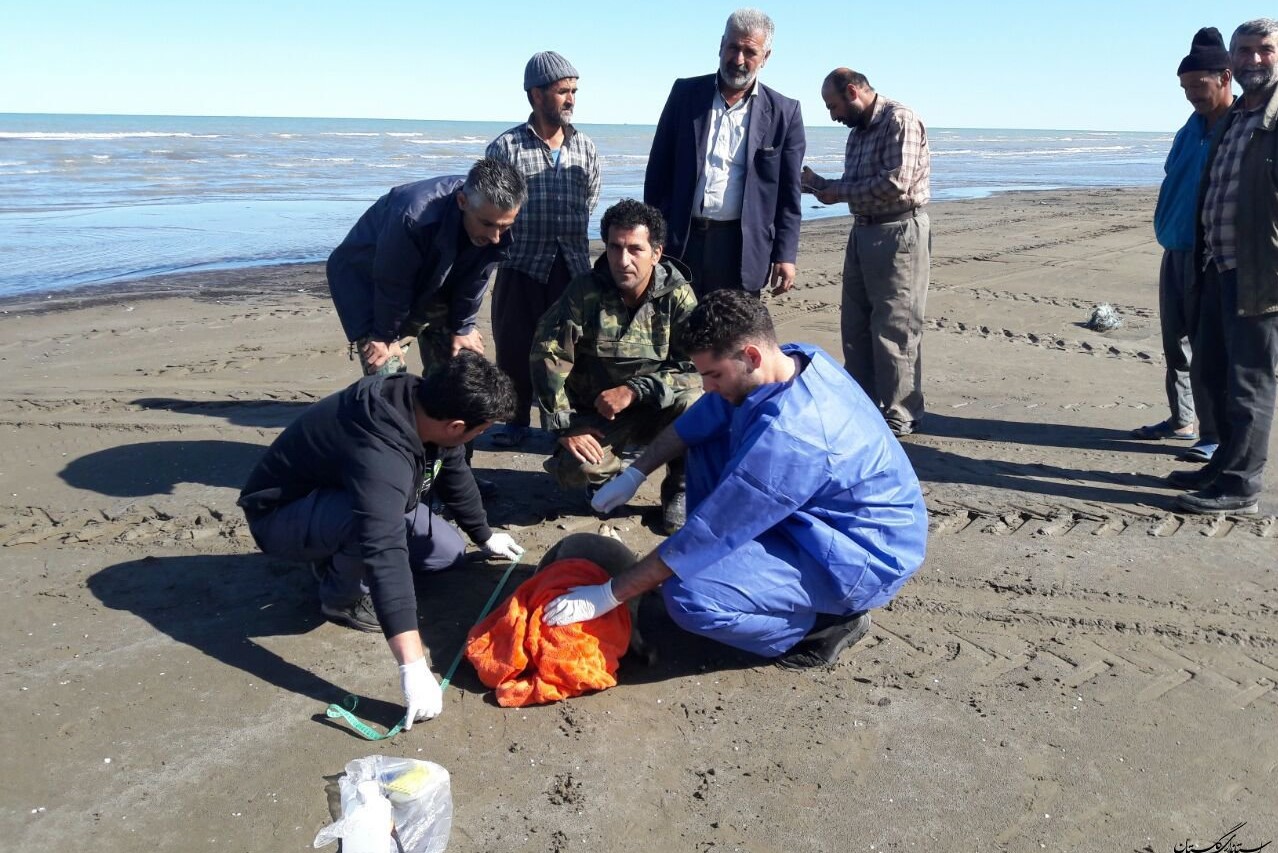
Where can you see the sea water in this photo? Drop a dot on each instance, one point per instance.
(90, 200)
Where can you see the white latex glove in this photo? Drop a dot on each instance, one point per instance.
(580, 604)
(618, 490)
(421, 692)
(502, 545)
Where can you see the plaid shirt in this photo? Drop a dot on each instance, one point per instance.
(561, 198)
(886, 165)
(1221, 205)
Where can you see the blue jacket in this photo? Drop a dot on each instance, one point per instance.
(771, 209)
(812, 473)
(407, 250)
(1178, 197)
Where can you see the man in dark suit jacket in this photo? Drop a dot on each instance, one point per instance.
(724, 168)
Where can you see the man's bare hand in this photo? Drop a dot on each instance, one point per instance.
(808, 180)
(473, 342)
(782, 278)
(614, 401)
(584, 445)
(377, 353)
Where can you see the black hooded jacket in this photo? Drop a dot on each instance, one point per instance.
(364, 441)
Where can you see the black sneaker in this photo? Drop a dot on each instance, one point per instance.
(1210, 502)
(359, 614)
(674, 513)
(826, 641)
(487, 488)
(1192, 479)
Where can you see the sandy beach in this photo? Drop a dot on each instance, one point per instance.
(1075, 667)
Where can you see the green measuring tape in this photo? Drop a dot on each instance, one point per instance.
(346, 710)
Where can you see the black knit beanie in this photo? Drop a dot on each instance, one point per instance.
(1206, 52)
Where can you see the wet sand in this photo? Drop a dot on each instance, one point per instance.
(1076, 666)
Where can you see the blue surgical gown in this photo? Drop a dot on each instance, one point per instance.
(800, 501)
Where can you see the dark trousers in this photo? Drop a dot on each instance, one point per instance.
(1236, 359)
(713, 254)
(322, 526)
(634, 427)
(519, 300)
(1178, 299)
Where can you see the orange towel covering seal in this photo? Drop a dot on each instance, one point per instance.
(530, 663)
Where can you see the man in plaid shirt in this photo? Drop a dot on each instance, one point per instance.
(885, 271)
(550, 245)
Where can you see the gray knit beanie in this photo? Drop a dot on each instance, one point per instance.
(545, 68)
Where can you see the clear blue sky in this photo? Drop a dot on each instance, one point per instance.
(1086, 64)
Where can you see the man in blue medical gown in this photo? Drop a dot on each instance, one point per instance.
(803, 511)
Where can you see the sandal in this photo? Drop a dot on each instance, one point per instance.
(1163, 429)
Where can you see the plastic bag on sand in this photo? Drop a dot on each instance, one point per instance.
(420, 797)
(1104, 317)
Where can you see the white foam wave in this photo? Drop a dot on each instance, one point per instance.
(349, 133)
(400, 134)
(13, 162)
(330, 159)
(100, 156)
(465, 140)
(59, 136)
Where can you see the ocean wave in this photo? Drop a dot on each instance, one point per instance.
(60, 136)
(13, 162)
(401, 134)
(347, 133)
(1056, 152)
(465, 140)
(330, 159)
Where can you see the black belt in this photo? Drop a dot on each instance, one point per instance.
(883, 219)
(700, 224)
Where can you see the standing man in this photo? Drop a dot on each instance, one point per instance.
(551, 246)
(417, 263)
(609, 364)
(1237, 238)
(886, 167)
(1207, 81)
(724, 168)
(344, 486)
(803, 512)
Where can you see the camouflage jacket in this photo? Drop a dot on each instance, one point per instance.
(589, 341)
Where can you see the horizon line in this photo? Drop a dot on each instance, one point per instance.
(503, 121)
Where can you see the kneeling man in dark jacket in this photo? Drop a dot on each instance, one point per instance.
(344, 486)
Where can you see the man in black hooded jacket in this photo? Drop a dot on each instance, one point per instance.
(343, 487)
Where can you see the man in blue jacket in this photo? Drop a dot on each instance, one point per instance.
(1208, 84)
(803, 511)
(417, 264)
(344, 487)
(724, 168)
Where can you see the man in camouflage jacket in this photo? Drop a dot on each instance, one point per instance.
(607, 363)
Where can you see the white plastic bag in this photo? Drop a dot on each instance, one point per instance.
(420, 797)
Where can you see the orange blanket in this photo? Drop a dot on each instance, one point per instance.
(531, 663)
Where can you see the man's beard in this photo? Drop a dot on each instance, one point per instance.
(737, 78)
(1256, 79)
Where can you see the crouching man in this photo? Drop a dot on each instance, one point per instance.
(608, 362)
(803, 511)
(345, 487)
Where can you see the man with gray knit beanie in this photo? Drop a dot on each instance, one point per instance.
(551, 246)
